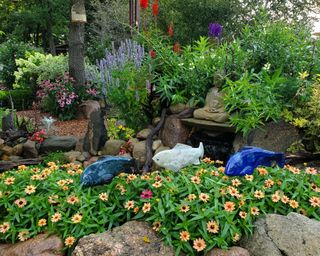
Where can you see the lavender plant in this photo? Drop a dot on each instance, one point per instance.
(121, 77)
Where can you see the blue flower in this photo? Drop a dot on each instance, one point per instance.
(215, 30)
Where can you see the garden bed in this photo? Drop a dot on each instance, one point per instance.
(76, 128)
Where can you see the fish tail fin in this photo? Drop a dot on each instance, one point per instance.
(201, 148)
(281, 160)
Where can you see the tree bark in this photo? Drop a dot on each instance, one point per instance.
(52, 45)
(147, 166)
(76, 50)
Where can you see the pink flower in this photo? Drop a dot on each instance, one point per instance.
(146, 194)
(68, 101)
(92, 92)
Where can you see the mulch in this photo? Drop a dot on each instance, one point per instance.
(60, 128)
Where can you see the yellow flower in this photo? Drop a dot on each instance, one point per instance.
(69, 241)
(315, 201)
(207, 160)
(242, 214)
(103, 197)
(22, 167)
(129, 205)
(195, 180)
(145, 177)
(212, 227)
(157, 184)
(0, 194)
(156, 226)
(56, 217)
(262, 171)
(146, 207)
(285, 199)
(215, 173)
(204, 197)
(255, 211)
(312, 171)
(131, 177)
(191, 197)
(219, 162)
(30, 189)
(42, 222)
(236, 182)
(275, 197)
(236, 237)
(73, 200)
(146, 239)
(293, 204)
(268, 183)
(23, 235)
(9, 181)
(233, 191)
(136, 210)
(184, 236)
(4, 227)
(199, 244)
(303, 75)
(229, 206)
(21, 202)
(248, 177)
(76, 218)
(259, 194)
(61, 182)
(53, 199)
(184, 208)
(36, 177)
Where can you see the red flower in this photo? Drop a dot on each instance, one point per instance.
(144, 4)
(146, 194)
(177, 47)
(152, 54)
(155, 8)
(170, 30)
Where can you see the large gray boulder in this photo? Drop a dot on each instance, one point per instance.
(58, 143)
(112, 147)
(277, 235)
(273, 136)
(139, 151)
(127, 239)
(174, 131)
(41, 245)
(30, 150)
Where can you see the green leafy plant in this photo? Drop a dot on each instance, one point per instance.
(193, 210)
(116, 130)
(36, 67)
(22, 99)
(306, 112)
(10, 50)
(55, 157)
(253, 99)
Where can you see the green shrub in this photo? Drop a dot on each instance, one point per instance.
(36, 67)
(9, 52)
(22, 99)
(56, 157)
(199, 201)
(305, 114)
(254, 100)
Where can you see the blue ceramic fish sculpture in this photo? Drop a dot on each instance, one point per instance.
(248, 158)
(105, 169)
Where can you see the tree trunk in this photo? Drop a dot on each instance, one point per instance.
(76, 51)
(52, 46)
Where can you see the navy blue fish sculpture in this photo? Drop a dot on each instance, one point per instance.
(248, 158)
(105, 169)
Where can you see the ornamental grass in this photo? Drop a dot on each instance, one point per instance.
(193, 210)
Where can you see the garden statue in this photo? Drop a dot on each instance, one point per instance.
(48, 122)
(180, 156)
(248, 158)
(213, 109)
(105, 169)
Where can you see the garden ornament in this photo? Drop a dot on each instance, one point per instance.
(47, 122)
(180, 156)
(105, 169)
(248, 158)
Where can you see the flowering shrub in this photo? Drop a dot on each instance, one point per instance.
(122, 78)
(61, 98)
(194, 210)
(38, 136)
(117, 130)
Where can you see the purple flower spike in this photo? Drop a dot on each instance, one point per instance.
(215, 30)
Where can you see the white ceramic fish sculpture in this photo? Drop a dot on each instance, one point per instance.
(180, 156)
